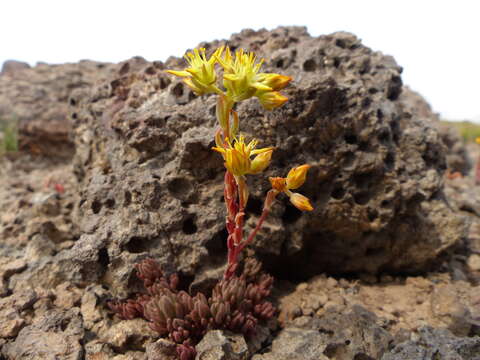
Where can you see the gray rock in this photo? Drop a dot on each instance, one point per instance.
(38, 99)
(161, 350)
(151, 186)
(436, 344)
(56, 335)
(11, 66)
(352, 334)
(222, 345)
(296, 344)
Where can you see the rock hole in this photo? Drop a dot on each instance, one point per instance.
(384, 136)
(110, 203)
(254, 206)
(189, 227)
(333, 350)
(103, 257)
(64, 324)
(390, 161)
(336, 62)
(164, 83)
(350, 139)
(150, 70)
(362, 356)
(72, 102)
(309, 65)
(366, 102)
(372, 214)
(213, 110)
(372, 91)
(178, 90)
(394, 88)
(180, 187)
(74, 116)
(362, 197)
(217, 245)
(348, 159)
(338, 192)
(385, 203)
(128, 198)
(340, 43)
(96, 206)
(363, 145)
(362, 180)
(137, 245)
(291, 214)
(279, 63)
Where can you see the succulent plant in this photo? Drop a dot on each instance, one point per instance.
(235, 304)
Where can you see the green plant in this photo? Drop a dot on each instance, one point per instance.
(8, 136)
(237, 302)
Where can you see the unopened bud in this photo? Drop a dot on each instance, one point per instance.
(300, 202)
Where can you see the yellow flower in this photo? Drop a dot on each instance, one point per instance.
(477, 140)
(237, 157)
(242, 79)
(200, 76)
(295, 178)
(271, 99)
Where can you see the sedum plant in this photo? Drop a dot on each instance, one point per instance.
(237, 302)
(241, 80)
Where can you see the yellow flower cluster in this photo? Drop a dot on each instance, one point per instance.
(241, 77)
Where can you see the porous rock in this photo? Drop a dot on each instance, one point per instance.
(456, 152)
(56, 335)
(36, 98)
(151, 186)
(222, 345)
(353, 334)
(436, 344)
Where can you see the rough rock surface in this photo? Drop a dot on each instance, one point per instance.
(436, 344)
(149, 183)
(221, 345)
(56, 335)
(456, 152)
(354, 334)
(37, 98)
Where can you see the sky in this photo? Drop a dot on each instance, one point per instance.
(436, 42)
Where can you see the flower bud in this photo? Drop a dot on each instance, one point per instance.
(271, 99)
(261, 162)
(300, 202)
(275, 82)
(296, 176)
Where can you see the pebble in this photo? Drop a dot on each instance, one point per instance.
(473, 262)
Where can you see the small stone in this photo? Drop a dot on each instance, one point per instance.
(128, 333)
(302, 286)
(222, 345)
(331, 283)
(162, 349)
(473, 262)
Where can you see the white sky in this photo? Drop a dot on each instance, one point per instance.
(436, 42)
